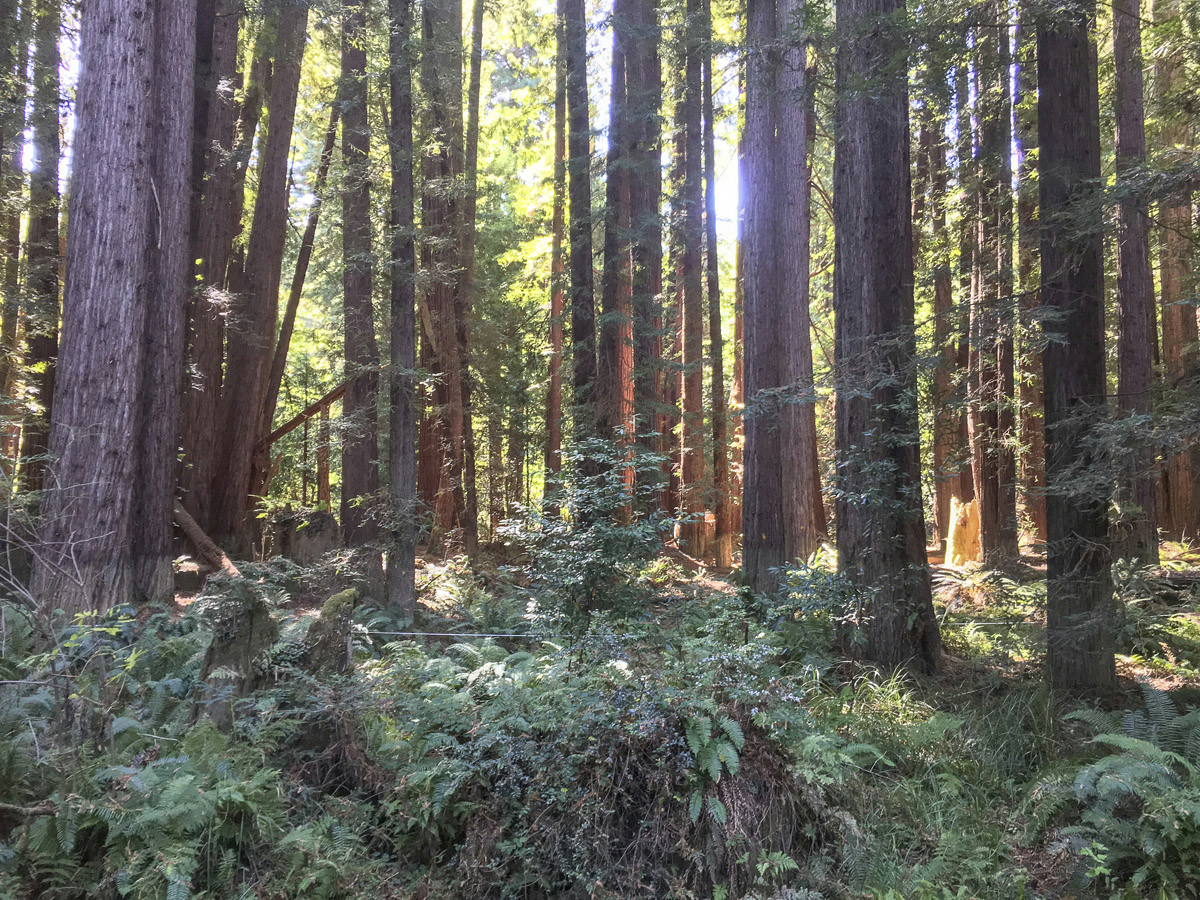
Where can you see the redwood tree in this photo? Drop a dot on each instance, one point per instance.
(1138, 531)
(880, 519)
(1079, 603)
(106, 537)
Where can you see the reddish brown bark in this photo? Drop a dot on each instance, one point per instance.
(553, 456)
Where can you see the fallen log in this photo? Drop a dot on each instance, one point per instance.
(207, 548)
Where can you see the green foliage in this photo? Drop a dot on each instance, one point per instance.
(1134, 813)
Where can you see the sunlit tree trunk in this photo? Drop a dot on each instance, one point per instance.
(106, 535)
(1079, 607)
(42, 246)
(722, 500)
(1031, 395)
(1136, 532)
(14, 56)
(880, 520)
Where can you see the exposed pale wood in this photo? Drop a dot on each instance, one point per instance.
(207, 548)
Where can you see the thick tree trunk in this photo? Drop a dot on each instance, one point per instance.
(251, 330)
(360, 428)
(213, 228)
(763, 528)
(1033, 443)
(583, 304)
(1136, 531)
(42, 246)
(881, 529)
(107, 512)
(722, 499)
(553, 456)
(402, 432)
(1079, 606)
(1176, 247)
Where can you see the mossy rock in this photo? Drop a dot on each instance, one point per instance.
(328, 638)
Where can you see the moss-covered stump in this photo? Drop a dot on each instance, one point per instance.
(304, 537)
(328, 640)
(242, 631)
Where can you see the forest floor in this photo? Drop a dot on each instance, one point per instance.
(683, 739)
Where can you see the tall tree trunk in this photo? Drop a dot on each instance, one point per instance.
(737, 389)
(881, 529)
(967, 177)
(991, 412)
(553, 456)
(441, 78)
(251, 331)
(106, 535)
(1033, 444)
(1182, 514)
(722, 500)
(947, 483)
(692, 531)
(213, 228)
(495, 472)
(1079, 608)
(303, 258)
(1136, 532)
(42, 242)
(583, 304)
(614, 400)
(465, 294)
(643, 87)
(14, 57)
(803, 512)
(360, 428)
(402, 431)
(763, 537)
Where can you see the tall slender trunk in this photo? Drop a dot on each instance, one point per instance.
(692, 531)
(880, 519)
(251, 331)
(495, 472)
(1032, 400)
(465, 293)
(14, 58)
(803, 512)
(722, 501)
(583, 304)
(1079, 613)
(42, 243)
(106, 534)
(991, 413)
(614, 400)
(1182, 514)
(1136, 531)
(553, 456)
(402, 431)
(967, 178)
(360, 407)
(303, 258)
(441, 78)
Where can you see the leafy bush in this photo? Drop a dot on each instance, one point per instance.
(1134, 813)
